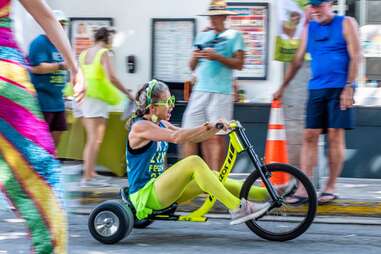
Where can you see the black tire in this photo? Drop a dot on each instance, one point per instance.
(310, 206)
(111, 221)
(142, 223)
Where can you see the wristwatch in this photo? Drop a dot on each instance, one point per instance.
(350, 84)
(61, 66)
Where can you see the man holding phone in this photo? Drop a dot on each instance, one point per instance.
(217, 53)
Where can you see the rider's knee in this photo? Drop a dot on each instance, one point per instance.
(194, 159)
(196, 162)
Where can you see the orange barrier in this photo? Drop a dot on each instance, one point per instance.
(276, 143)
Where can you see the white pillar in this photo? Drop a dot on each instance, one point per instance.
(362, 22)
(342, 7)
(363, 16)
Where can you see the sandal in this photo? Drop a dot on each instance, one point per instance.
(296, 200)
(326, 197)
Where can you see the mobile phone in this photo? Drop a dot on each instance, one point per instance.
(199, 47)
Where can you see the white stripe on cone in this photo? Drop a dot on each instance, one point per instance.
(276, 116)
(275, 135)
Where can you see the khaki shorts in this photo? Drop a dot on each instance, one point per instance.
(91, 108)
(207, 107)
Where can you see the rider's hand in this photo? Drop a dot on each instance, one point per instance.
(222, 121)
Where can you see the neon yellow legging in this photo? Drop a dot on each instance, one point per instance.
(191, 177)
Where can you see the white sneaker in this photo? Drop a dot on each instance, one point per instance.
(248, 211)
(102, 178)
(92, 183)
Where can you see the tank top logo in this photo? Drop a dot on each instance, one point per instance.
(156, 165)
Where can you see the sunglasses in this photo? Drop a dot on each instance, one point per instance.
(170, 102)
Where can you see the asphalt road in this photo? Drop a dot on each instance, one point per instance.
(214, 236)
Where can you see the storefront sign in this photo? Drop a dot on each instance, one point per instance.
(253, 21)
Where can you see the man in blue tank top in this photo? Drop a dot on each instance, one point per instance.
(334, 46)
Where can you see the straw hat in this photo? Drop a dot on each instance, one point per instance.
(218, 8)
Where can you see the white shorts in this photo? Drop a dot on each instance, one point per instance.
(91, 108)
(207, 107)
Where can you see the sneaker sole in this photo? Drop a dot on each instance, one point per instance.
(250, 216)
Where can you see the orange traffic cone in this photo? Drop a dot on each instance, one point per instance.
(276, 143)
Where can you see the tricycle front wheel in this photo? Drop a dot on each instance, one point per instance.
(290, 219)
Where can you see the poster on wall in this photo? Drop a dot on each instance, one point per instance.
(252, 21)
(289, 29)
(172, 42)
(82, 30)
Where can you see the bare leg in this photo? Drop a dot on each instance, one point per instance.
(95, 129)
(214, 151)
(188, 149)
(308, 156)
(336, 141)
(56, 137)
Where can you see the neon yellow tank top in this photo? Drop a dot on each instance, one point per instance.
(98, 85)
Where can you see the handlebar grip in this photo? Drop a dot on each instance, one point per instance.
(219, 126)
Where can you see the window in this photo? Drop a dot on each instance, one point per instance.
(368, 14)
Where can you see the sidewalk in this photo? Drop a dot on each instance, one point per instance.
(357, 197)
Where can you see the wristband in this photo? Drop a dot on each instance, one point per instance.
(350, 84)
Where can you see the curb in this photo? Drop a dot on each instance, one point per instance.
(343, 207)
(351, 208)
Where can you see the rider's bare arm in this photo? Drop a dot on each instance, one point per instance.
(204, 136)
(170, 126)
(146, 131)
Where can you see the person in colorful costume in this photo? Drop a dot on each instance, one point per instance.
(29, 171)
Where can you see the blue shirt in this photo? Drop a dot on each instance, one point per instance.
(213, 76)
(145, 163)
(330, 57)
(49, 86)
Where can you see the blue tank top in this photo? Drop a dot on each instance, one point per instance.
(330, 58)
(145, 163)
